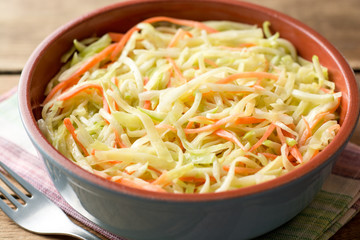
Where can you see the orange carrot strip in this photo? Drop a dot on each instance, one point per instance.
(269, 155)
(307, 132)
(118, 139)
(127, 35)
(115, 37)
(147, 104)
(154, 169)
(75, 77)
(189, 23)
(296, 154)
(211, 127)
(247, 45)
(316, 152)
(162, 180)
(336, 107)
(211, 63)
(248, 120)
(177, 70)
(165, 126)
(334, 128)
(264, 137)
(243, 170)
(140, 184)
(248, 75)
(114, 161)
(189, 125)
(180, 33)
(121, 44)
(146, 80)
(84, 87)
(71, 129)
(93, 151)
(325, 90)
(280, 135)
(59, 87)
(130, 173)
(318, 117)
(203, 119)
(230, 137)
(240, 47)
(72, 92)
(193, 179)
(196, 180)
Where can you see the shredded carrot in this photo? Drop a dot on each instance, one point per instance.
(162, 180)
(268, 132)
(165, 126)
(72, 92)
(71, 129)
(146, 80)
(115, 37)
(212, 127)
(139, 184)
(183, 22)
(260, 75)
(247, 45)
(154, 169)
(211, 63)
(269, 155)
(118, 139)
(75, 77)
(242, 170)
(232, 118)
(196, 180)
(316, 152)
(202, 119)
(280, 135)
(128, 34)
(257, 83)
(171, 71)
(147, 104)
(189, 125)
(93, 151)
(294, 151)
(177, 70)
(180, 33)
(248, 120)
(318, 117)
(325, 90)
(336, 107)
(121, 44)
(230, 137)
(130, 173)
(114, 161)
(335, 127)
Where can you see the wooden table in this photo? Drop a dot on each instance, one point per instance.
(23, 24)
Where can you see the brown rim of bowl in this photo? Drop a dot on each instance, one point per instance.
(78, 172)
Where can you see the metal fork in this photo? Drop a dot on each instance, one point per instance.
(37, 214)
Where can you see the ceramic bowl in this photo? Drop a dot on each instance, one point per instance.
(136, 214)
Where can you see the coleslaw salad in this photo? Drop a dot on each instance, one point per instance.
(182, 106)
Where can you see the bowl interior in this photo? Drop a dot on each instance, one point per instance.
(44, 63)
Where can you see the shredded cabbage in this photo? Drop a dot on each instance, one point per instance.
(190, 108)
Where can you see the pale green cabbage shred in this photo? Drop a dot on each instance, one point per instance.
(154, 138)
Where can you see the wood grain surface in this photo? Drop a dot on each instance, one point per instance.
(25, 23)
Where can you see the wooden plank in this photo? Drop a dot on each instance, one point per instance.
(7, 82)
(24, 24)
